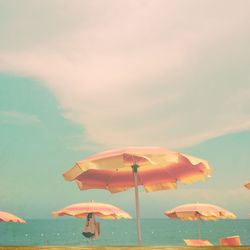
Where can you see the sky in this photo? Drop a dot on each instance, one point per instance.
(80, 77)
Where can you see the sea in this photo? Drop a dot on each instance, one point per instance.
(158, 232)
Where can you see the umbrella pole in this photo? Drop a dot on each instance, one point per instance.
(199, 229)
(135, 167)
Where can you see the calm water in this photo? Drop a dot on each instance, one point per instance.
(120, 232)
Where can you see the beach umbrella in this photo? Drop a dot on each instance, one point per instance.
(7, 217)
(154, 168)
(199, 211)
(247, 184)
(102, 210)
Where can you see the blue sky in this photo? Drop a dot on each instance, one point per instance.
(80, 77)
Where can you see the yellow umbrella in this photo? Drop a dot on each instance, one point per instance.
(199, 211)
(154, 168)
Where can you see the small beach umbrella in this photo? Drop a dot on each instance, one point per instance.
(102, 210)
(7, 217)
(199, 211)
(247, 184)
(154, 168)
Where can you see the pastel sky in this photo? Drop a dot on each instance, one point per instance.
(78, 77)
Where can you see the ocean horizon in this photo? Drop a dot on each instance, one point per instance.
(120, 232)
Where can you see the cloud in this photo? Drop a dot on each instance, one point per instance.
(12, 117)
(140, 73)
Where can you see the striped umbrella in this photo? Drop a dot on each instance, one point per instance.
(102, 210)
(199, 211)
(154, 168)
(7, 217)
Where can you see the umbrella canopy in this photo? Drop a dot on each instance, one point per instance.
(159, 169)
(154, 168)
(199, 211)
(7, 217)
(102, 210)
(247, 184)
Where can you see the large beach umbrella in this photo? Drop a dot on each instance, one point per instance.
(102, 210)
(247, 184)
(154, 168)
(199, 211)
(8, 217)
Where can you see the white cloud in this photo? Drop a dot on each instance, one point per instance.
(141, 73)
(17, 117)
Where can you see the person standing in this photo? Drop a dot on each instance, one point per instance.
(91, 228)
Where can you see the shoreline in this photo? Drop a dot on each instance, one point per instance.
(122, 247)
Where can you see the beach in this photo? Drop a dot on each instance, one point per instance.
(124, 125)
(120, 248)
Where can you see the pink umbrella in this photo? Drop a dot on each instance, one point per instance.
(247, 184)
(102, 210)
(7, 217)
(154, 168)
(199, 211)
